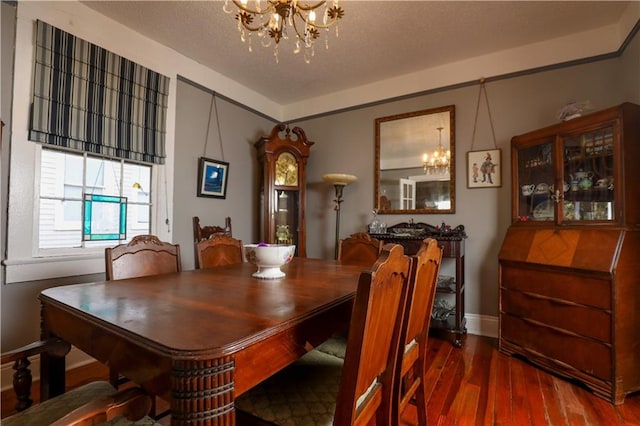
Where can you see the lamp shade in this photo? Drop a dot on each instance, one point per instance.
(339, 178)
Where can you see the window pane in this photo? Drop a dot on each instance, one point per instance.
(73, 169)
(54, 231)
(138, 219)
(66, 176)
(72, 212)
(136, 185)
(103, 176)
(52, 166)
(72, 192)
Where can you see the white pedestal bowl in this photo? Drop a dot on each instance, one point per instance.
(269, 258)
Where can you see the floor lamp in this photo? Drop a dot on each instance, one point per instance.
(339, 181)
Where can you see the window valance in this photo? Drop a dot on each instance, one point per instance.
(89, 99)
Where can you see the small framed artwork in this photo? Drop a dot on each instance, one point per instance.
(212, 178)
(484, 169)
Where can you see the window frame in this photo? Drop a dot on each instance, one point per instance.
(21, 262)
(94, 247)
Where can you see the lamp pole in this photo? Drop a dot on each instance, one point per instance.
(339, 187)
(339, 181)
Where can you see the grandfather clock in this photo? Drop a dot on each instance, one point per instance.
(283, 159)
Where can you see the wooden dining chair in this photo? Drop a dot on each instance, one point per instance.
(201, 233)
(359, 249)
(91, 403)
(219, 250)
(144, 255)
(415, 330)
(323, 389)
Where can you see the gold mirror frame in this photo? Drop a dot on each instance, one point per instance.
(410, 136)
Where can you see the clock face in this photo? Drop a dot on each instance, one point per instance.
(286, 170)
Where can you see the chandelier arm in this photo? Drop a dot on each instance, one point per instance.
(268, 10)
(321, 26)
(306, 8)
(295, 26)
(258, 28)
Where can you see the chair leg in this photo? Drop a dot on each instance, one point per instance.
(22, 384)
(421, 404)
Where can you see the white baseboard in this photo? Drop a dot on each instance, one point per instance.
(481, 325)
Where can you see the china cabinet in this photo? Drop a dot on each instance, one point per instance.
(282, 156)
(570, 261)
(448, 310)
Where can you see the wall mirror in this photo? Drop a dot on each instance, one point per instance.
(415, 167)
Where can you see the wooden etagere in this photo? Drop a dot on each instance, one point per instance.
(446, 316)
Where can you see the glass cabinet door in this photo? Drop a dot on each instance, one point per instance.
(535, 180)
(588, 171)
(286, 217)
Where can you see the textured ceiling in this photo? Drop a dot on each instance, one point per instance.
(377, 39)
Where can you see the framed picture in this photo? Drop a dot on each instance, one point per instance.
(484, 169)
(212, 178)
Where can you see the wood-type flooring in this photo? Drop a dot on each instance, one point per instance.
(474, 385)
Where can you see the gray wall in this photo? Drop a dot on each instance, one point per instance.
(344, 142)
(239, 129)
(7, 18)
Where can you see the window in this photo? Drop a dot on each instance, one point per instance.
(66, 176)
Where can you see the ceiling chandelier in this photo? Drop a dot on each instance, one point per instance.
(274, 20)
(439, 160)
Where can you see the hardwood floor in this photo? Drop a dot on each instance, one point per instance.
(477, 385)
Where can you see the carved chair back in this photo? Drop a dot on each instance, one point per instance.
(142, 256)
(359, 249)
(201, 233)
(219, 250)
(373, 341)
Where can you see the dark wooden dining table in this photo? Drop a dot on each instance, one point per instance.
(200, 338)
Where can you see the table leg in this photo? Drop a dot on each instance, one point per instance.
(52, 366)
(202, 392)
(52, 376)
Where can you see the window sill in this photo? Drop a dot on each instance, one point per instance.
(42, 268)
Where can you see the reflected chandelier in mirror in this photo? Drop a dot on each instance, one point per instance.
(415, 162)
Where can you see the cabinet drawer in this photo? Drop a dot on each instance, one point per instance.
(571, 287)
(584, 354)
(590, 322)
(450, 248)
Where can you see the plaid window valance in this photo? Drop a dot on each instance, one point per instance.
(89, 99)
